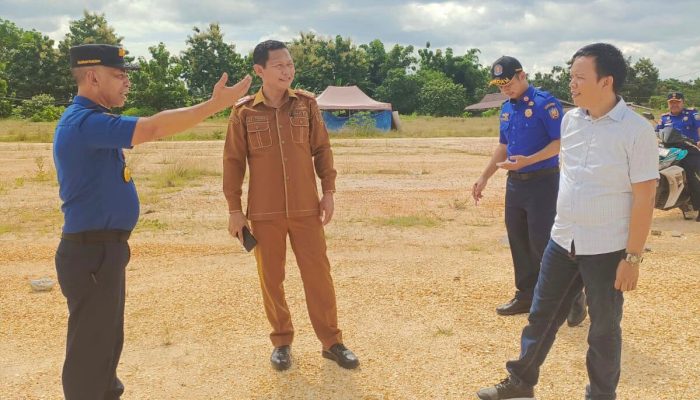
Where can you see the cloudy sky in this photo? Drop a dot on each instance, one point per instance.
(539, 33)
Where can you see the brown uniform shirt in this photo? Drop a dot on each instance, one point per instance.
(282, 146)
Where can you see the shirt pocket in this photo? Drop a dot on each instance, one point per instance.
(299, 121)
(259, 135)
(527, 124)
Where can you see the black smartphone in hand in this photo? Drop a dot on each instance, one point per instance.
(249, 241)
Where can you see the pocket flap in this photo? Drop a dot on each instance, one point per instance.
(258, 126)
(300, 121)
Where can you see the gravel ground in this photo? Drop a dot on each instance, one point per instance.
(418, 271)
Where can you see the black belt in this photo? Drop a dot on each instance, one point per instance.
(523, 176)
(97, 236)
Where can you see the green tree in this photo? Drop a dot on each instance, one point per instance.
(39, 108)
(157, 85)
(439, 95)
(206, 57)
(33, 66)
(10, 37)
(555, 82)
(642, 80)
(376, 60)
(348, 64)
(400, 57)
(401, 90)
(380, 62)
(328, 62)
(464, 70)
(5, 105)
(690, 89)
(91, 28)
(310, 63)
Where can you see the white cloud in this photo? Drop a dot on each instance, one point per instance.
(445, 15)
(541, 33)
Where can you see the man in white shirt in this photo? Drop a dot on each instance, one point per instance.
(606, 199)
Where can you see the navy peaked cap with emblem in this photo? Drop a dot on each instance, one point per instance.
(675, 96)
(88, 55)
(504, 69)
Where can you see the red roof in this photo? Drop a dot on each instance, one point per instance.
(348, 98)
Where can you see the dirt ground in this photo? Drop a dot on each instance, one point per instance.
(418, 271)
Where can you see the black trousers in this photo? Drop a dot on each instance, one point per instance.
(691, 165)
(92, 279)
(530, 209)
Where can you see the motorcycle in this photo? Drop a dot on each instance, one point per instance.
(672, 188)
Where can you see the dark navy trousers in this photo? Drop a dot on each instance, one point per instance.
(691, 165)
(92, 278)
(530, 209)
(561, 279)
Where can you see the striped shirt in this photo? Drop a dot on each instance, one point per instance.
(600, 160)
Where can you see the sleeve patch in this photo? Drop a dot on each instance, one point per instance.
(554, 113)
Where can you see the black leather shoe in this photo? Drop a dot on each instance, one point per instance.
(509, 388)
(341, 355)
(281, 358)
(515, 306)
(578, 312)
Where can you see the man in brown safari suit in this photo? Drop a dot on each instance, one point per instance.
(281, 135)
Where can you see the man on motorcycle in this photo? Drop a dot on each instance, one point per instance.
(687, 122)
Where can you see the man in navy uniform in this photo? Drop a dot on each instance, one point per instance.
(687, 122)
(528, 149)
(101, 207)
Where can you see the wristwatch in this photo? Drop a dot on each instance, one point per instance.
(634, 258)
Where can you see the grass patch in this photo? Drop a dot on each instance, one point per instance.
(179, 175)
(167, 336)
(444, 331)
(14, 130)
(474, 247)
(41, 173)
(149, 198)
(17, 130)
(383, 172)
(151, 225)
(408, 221)
(412, 126)
(459, 205)
(216, 134)
(34, 219)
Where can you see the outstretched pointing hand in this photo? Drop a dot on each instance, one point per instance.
(227, 96)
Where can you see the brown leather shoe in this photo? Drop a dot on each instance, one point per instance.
(342, 356)
(515, 306)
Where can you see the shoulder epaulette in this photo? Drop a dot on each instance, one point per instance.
(244, 100)
(665, 114)
(692, 109)
(542, 93)
(305, 93)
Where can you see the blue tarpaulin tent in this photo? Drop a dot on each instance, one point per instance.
(357, 107)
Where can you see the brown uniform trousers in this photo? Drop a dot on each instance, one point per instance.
(285, 149)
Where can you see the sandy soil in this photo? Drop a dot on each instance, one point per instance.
(416, 295)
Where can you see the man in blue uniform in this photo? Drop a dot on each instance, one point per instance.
(528, 149)
(101, 207)
(687, 122)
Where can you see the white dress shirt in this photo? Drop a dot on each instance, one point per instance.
(600, 160)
